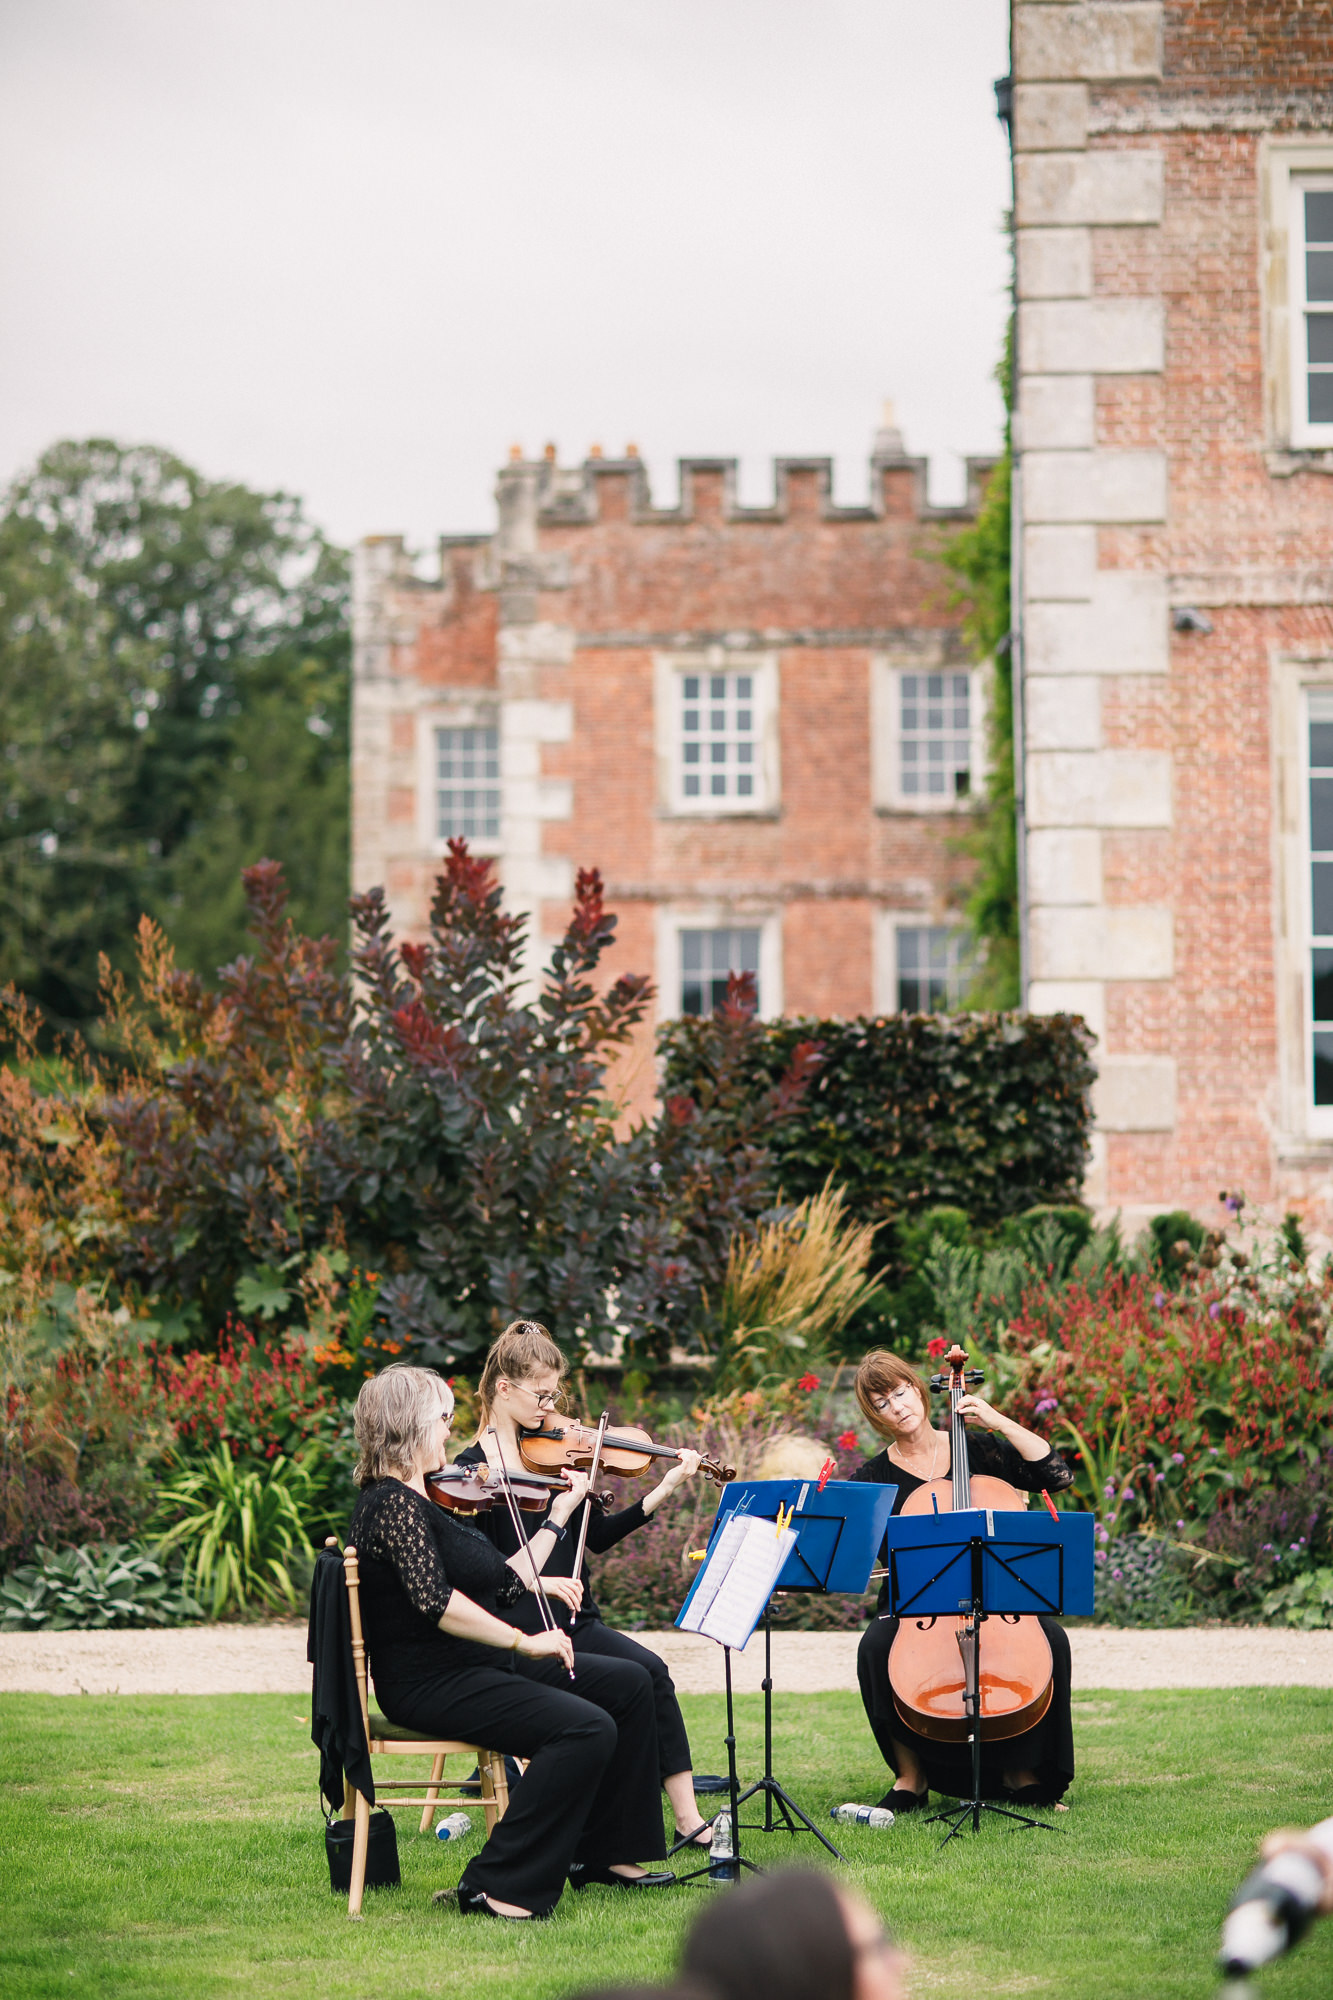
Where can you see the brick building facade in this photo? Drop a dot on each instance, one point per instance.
(760, 723)
(1174, 567)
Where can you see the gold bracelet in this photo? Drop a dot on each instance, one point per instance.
(518, 1639)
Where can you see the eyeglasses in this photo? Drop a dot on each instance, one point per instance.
(885, 1403)
(546, 1399)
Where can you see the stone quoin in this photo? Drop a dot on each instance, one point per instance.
(1173, 184)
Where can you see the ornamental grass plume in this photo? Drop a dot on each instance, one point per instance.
(790, 1290)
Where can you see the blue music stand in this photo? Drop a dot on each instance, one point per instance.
(839, 1529)
(982, 1563)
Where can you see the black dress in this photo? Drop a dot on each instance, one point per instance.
(590, 1792)
(590, 1635)
(1048, 1749)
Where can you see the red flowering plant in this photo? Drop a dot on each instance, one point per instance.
(261, 1401)
(1169, 1404)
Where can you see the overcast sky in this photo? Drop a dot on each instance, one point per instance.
(358, 248)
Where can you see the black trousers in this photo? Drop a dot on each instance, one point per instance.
(591, 1637)
(1047, 1750)
(591, 1789)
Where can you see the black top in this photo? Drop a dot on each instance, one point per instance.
(604, 1531)
(985, 1453)
(413, 1555)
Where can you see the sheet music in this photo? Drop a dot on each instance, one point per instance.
(738, 1602)
(730, 1536)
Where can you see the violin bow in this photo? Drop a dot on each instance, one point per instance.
(594, 1469)
(516, 1516)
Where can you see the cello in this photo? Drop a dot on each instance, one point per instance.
(928, 1657)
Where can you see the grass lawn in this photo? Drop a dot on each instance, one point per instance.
(170, 1845)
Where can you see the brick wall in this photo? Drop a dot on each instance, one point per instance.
(554, 629)
(1155, 477)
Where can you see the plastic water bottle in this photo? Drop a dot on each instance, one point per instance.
(722, 1852)
(453, 1828)
(876, 1816)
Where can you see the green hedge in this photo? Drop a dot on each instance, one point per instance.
(985, 1112)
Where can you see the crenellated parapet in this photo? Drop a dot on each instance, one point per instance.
(541, 493)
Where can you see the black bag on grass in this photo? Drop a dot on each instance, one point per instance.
(381, 1852)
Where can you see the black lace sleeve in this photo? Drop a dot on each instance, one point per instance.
(986, 1452)
(397, 1534)
(510, 1588)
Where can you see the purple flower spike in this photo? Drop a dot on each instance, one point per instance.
(1159, 1479)
(1110, 1489)
(1100, 1556)
(1128, 1493)
(1047, 1403)
(1177, 1458)
(1180, 1524)
(1215, 1310)
(1103, 1534)
(1117, 1574)
(1159, 1300)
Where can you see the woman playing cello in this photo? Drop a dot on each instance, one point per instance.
(1035, 1767)
(520, 1385)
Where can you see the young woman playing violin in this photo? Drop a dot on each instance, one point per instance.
(439, 1604)
(520, 1385)
(1030, 1769)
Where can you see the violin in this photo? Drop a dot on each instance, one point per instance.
(474, 1489)
(926, 1658)
(624, 1453)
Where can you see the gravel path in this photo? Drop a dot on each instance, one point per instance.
(270, 1659)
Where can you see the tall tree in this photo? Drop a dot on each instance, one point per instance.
(173, 704)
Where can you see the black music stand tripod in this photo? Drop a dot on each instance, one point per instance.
(734, 1796)
(773, 1793)
(998, 1577)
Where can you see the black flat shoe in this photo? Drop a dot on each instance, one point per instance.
(470, 1788)
(705, 1782)
(900, 1800)
(692, 1839)
(580, 1875)
(473, 1903)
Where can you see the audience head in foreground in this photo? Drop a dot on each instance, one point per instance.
(795, 1935)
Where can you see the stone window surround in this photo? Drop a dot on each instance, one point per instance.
(886, 671)
(470, 712)
(884, 945)
(718, 914)
(668, 668)
(888, 922)
(1282, 163)
(1301, 1124)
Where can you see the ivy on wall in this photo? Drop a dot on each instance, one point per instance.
(979, 558)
